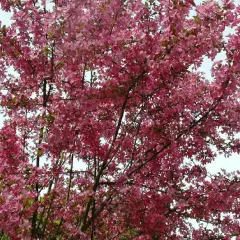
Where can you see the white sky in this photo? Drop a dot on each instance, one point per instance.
(230, 164)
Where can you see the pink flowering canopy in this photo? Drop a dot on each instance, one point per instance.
(109, 124)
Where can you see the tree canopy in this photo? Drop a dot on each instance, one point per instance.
(109, 124)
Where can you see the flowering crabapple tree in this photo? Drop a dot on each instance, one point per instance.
(109, 124)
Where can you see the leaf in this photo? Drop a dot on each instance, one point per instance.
(197, 19)
(146, 4)
(57, 222)
(28, 202)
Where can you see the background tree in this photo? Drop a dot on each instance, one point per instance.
(109, 125)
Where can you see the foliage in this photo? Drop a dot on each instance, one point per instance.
(109, 125)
